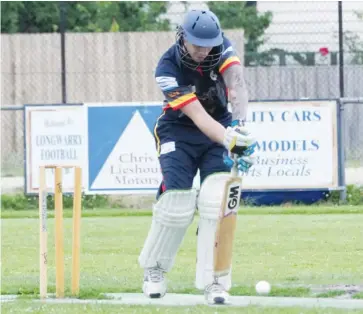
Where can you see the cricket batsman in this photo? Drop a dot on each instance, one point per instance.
(198, 75)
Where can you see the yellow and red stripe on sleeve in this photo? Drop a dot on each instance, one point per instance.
(182, 101)
(228, 62)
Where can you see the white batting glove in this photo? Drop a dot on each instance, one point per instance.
(237, 140)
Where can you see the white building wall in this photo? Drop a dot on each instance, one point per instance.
(297, 26)
(309, 25)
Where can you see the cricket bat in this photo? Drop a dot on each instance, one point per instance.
(226, 226)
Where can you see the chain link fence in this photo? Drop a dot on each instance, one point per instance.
(301, 44)
(353, 131)
(12, 141)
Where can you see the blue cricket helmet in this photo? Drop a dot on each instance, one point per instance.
(200, 28)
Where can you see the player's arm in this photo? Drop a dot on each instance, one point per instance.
(236, 140)
(181, 97)
(210, 127)
(232, 72)
(237, 91)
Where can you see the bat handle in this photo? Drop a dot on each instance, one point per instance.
(234, 169)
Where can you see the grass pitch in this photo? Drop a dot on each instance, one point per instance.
(290, 251)
(24, 307)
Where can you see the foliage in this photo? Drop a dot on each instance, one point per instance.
(20, 202)
(235, 14)
(354, 44)
(30, 202)
(10, 16)
(354, 195)
(88, 16)
(114, 26)
(354, 47)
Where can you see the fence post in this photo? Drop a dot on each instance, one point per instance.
(62, 29)
(341, 151)
(341, 50)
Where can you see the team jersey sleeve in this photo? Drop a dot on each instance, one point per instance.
(168, 79)
(229, 56)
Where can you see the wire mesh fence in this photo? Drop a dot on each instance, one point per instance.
(352, 124)
(12, 141)
(297, 58)
(302, 47)
(353, 132)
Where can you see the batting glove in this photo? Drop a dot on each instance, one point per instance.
(244, 163)
(243, 146)
(238, 140)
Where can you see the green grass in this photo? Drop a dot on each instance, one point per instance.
(290, 250)
(23, 307)
(245, 210)
(331, 294)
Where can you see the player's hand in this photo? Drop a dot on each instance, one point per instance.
(244, 163)
(238, 140)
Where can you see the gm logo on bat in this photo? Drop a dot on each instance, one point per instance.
(233, 200)
(233, 197)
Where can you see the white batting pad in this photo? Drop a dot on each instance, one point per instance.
(172, 215)
(209, 204)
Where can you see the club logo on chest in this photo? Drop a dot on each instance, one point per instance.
(213, 75)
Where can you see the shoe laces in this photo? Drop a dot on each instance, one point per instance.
(214, 287)
(155, 274)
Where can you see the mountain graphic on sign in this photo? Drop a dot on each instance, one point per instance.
(133, 162)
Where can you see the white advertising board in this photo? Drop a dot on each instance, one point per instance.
(55, 136)
(122, 153)
(297, 145)
(114, 145)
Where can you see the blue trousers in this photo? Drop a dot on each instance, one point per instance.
(183, 149)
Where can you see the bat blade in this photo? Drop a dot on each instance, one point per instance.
(226, 227)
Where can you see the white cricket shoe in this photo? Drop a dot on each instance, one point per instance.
(154, 283)
(215, 294)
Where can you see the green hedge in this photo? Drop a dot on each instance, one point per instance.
(354, 195)
(21, 201)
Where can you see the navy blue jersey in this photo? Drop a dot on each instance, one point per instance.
(182, 85)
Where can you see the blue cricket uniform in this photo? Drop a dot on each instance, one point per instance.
(182, 147)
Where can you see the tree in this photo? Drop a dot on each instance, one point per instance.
(29, 16)
(237, 14)
(88, 16)
(133, 16)
(354, 44)
(10, 16)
